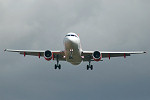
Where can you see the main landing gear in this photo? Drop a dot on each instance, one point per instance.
(57, 65)
(89, 66)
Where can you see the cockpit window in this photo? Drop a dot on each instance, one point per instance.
(71, 35)
(75, 36)
(67, 35)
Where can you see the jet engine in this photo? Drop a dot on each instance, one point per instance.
(48, 55)
(97, 56)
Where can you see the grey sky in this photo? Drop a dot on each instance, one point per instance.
(112, 25)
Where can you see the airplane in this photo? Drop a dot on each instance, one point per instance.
(73, 53)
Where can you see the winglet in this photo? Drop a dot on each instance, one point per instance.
(144, 52)
(5, 49)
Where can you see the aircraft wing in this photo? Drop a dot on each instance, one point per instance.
(39, 53)
(88, 55)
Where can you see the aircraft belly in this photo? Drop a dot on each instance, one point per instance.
(72, 52)
(76, 58)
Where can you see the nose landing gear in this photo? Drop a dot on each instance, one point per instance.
(71, 51)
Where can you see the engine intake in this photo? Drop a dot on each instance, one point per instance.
(48, 55)
(97, 56)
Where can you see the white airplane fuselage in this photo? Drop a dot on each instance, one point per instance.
(72, 48)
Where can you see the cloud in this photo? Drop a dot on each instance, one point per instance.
(101, 25)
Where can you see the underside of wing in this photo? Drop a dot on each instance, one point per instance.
(88, 55)
(106, 54)
(40, 53)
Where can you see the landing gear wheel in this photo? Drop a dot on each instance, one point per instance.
(87, 67)
(55, 66)
(91, 67)
(59, 66)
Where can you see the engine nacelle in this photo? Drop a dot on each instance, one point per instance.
(48, 55)
(97, 56)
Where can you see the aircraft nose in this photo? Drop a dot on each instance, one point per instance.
(68, 40)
